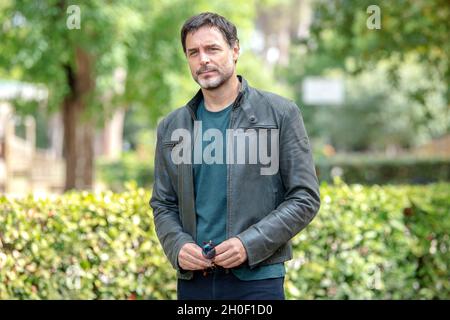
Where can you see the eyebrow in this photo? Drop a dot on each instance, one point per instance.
(207, 46)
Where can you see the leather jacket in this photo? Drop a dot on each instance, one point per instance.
(263, 211)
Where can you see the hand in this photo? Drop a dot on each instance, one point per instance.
(230, 253)
(190, 258)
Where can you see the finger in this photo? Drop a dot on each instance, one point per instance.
(223, 247)
(234, 264)
(194, 258)
(196, 253)
(223, 256)
(192, 248)
(186, 265)
(199, 261)
(192, 264)
(230, 263)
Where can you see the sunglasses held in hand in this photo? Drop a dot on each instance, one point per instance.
(209, 252)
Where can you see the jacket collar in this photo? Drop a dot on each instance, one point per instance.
(193, 103)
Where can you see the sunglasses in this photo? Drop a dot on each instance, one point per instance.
(209, 252)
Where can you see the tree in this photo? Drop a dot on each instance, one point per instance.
(408, 29)
(41, 43)
(40, 46)
(412, 35)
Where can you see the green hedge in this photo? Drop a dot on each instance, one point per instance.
(113, 174)
(370, 169)
(379, 242)
(362, 169)
(366, 242)
(82, 246)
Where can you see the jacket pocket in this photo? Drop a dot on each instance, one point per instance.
(259, 126)
(171, 143)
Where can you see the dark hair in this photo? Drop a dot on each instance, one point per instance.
(213, 20)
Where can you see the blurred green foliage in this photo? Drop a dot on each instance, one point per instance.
(366, 169)
(124, 55)
(375, 242)
(114, 174)
(141, 37)
(81, 246)
(419, 29)
(388, 242)
(376, 115)
(396, 78)
(370, 169)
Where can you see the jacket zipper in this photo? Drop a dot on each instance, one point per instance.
(190, 169)
(233, 108)
(193, 118)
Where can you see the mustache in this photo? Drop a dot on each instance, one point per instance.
(205, 69)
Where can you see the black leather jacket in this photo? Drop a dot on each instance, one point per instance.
(264, 211)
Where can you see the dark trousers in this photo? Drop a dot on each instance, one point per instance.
(224, 285)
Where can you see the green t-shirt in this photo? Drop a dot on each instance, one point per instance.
(210, 187)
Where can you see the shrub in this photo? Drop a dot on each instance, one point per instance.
(362, 169)
(369, 169)
(387, 242)
(114, 174)
(82, 246)
(376, 242)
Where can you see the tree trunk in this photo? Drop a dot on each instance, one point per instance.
(78, 133)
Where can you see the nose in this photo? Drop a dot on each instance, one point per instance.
(204, 58)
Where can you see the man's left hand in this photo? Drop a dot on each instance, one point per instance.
(230, 253)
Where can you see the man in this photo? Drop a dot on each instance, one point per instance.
(210, 190)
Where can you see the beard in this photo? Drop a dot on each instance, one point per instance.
(214, 80)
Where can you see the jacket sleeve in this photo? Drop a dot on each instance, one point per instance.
(302, 198)
(164, 202)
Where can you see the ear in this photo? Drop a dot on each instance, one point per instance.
(236, 51)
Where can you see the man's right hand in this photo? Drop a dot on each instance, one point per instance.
(190, 257)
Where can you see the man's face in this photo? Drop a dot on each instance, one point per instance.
(210, 58)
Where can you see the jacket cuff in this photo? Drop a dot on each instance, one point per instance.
(249, 240)
(176, 250)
